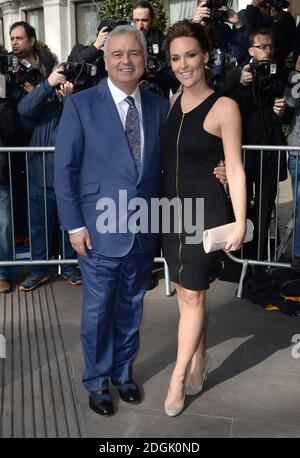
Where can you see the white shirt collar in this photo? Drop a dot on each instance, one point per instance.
(119, 96)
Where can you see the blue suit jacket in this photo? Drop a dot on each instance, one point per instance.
(93, 161)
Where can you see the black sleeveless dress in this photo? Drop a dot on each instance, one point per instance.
(190, 155)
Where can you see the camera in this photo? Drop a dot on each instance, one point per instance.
(278, 4)
(8, 63)
(217, 15)
(112, 23)
(21, 70)
(154, 64)
(263, 71)
(78, 72)
(26, 73)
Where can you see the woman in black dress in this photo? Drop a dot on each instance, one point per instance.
(202, 129)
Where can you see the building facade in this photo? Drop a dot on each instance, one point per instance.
(295, 9)
(62, 23)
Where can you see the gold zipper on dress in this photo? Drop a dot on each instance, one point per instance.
(179, 209)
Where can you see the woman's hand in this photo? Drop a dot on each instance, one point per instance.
(236, 239)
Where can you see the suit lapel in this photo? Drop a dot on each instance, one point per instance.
(149, 132)
(115, 129)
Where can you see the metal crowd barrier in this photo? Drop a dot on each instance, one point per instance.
(281, 240)
(48, 260)
(273, 259)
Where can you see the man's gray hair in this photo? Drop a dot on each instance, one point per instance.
(122, 30)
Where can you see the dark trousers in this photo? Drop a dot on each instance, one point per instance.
(261, 197)
(113, 293)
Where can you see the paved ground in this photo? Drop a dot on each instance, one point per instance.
(253, 389)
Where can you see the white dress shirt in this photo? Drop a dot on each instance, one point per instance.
(122, 107)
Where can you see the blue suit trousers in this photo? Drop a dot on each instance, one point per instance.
(113, 293)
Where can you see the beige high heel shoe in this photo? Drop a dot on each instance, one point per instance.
(172, 410)
(192, 390)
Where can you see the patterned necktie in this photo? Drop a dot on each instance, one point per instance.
(132, 130)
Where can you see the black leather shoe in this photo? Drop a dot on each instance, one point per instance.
(128, 391)
(100, 402)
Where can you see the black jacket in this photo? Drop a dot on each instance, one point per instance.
(261, 126)
(250, 98)
(8, 129)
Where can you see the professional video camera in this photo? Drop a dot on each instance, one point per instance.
(278, 4)
(154, 64)
(217, 15)
(78, 72)
(21, 70)
(263, 71)
(112, 23)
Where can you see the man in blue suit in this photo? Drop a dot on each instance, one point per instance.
(107, 147)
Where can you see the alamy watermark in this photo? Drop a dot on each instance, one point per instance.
(296, 89)
(296, 348)
(2, 346)
(138, 215)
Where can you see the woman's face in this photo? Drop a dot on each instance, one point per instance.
(187, 60)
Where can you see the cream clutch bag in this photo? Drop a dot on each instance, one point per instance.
(216, 238)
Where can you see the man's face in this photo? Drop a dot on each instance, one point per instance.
(263, 48)
(142, 19)
(125, 61)
(21, 45)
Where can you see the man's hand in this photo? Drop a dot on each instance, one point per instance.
(220, 172)
(56, 78)
(101, 38)
(27, 87)
(81, 241)
(66, 89)
(202, 12)
(246, 76)
(279, 106)
(232, 17)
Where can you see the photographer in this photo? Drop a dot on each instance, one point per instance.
(292, 95)
(8, 129)
(230, 45)
(34, 65)
(23, 42)
(40, 110)
(92, 54)
(158, 76)
(259, 95)
(271, 14)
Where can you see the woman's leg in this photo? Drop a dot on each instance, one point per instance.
(190, 338)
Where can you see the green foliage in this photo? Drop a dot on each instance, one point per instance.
(2, 50)
(289, 62)
(42, 46)
(122, 9)
(285, 129)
